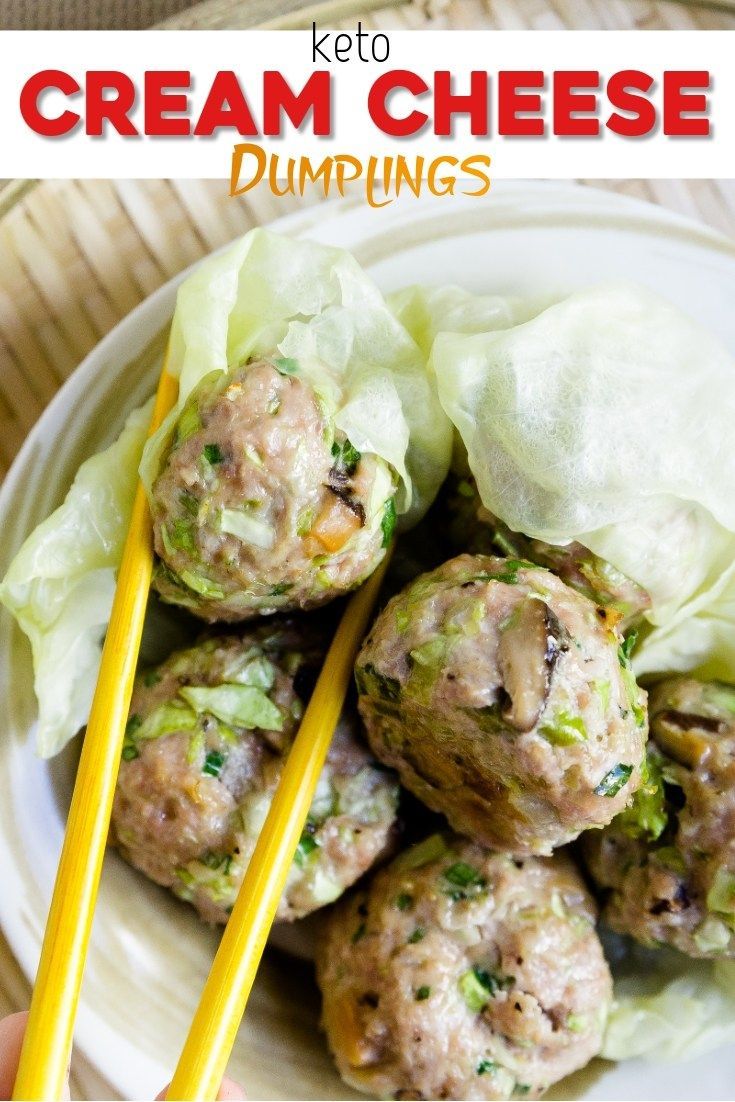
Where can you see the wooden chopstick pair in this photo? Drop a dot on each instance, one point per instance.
(49, 1034)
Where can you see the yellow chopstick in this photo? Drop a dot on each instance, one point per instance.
(213, 1030)
(48, 1039)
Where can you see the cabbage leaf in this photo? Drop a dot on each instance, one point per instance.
(606, 419)
(61, 583)
(667, 1007)
(428, 311)
(313, 304)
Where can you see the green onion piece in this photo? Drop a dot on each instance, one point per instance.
(281, 588)
(346, 457)
(422, 993)
(418, 935)
(508, 575)
(473, 991)
(213, 453)
(631, 685)
(485, 1066)
(304, 850)
(213, 763)
(133, 724)
(647, 815)
(627, 646)
(217, 860)
(388, 523)
(478, 986)
(613, 781)
(462, 875)
(404, 901)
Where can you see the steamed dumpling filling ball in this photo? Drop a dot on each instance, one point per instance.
(473, 528)
(667, 865)
(206, 742)
(506, 701)
(261, 504)
(463, 974)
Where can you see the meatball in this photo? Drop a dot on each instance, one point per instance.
(667, 864)
(205, 746)
(473, 528)
(460, 973)
(505, 701)
(260, 504)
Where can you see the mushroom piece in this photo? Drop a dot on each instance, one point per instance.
(686, 736)
(529, 647)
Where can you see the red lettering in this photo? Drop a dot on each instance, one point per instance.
(622, 92)
(160, 102)
(680, 102)
(447, 103)
(315, 96)
(379, 92)
(226, 108)
(116, 110)
(569, 102)
(30, 94)
(513, 99)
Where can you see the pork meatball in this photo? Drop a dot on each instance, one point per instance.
(474, 528)
(667, 864)
(204, 750)
(459, 973)
(505, 701)
(261, 504)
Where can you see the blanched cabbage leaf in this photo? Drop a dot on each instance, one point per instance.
(667, 1007)
(427, 311)
(607, 419)
(314, 304)
(61, 583)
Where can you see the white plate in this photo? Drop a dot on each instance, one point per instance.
(149, 955)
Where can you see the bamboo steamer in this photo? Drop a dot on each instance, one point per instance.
(77, 256)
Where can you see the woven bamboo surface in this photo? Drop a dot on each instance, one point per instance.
(461, 14)
(135, 14)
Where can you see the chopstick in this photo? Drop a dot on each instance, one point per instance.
(214, 1027)
(47, 1045)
